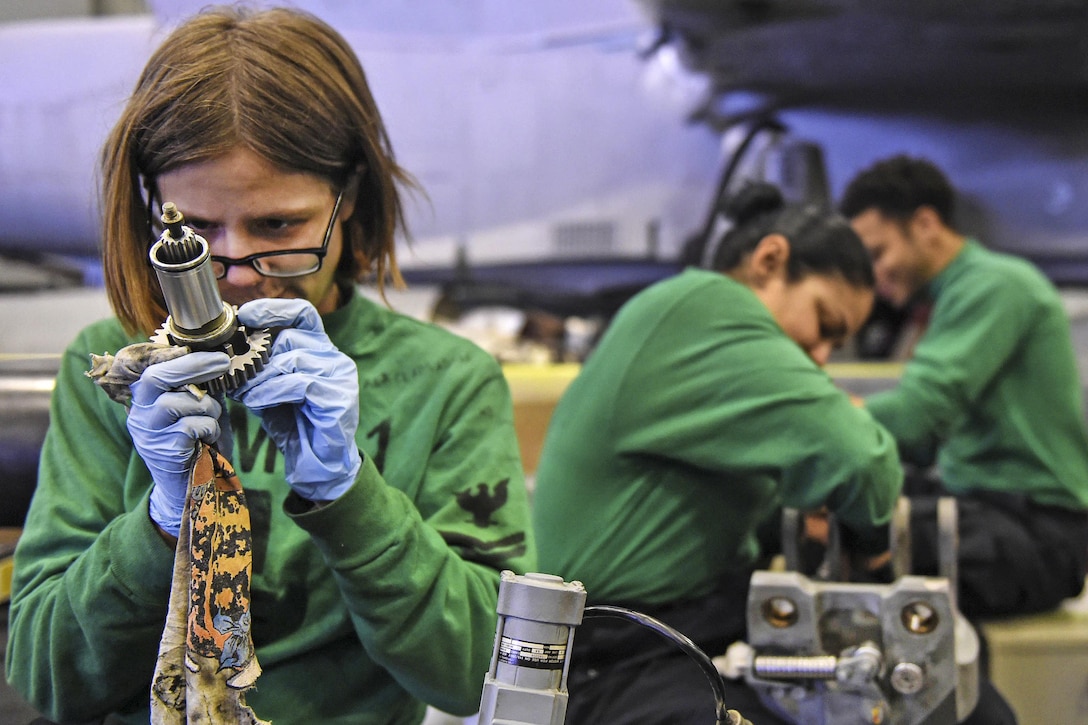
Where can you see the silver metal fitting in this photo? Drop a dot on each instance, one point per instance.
(198, 317)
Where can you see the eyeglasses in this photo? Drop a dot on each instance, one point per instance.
(281, 263)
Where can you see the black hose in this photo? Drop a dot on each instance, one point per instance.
(760, 124)
(681, 640)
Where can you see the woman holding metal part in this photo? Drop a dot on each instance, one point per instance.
(368, 471)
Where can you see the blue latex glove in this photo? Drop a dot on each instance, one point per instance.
(165, 424)
(307, 396)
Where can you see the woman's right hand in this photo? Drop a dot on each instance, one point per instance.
(165, 422)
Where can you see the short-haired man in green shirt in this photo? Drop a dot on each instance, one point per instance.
(989, 407)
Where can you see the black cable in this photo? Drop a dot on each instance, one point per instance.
(731, 166)
(681, 640)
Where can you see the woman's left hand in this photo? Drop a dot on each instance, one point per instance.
(307, 396)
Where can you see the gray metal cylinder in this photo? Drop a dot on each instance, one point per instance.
(198, 316)
(526, 684)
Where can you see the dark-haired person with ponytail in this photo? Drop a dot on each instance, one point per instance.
(703, 410)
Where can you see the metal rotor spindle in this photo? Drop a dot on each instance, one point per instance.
(198, 316)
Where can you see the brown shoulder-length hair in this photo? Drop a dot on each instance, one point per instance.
(282, 83)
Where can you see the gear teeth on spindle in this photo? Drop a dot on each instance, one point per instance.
(243, 366)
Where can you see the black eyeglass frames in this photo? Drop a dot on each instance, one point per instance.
(281, 263)
(284, 262)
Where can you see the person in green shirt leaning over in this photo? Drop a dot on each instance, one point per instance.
(704, 409)
(989, 407)
(377, 452)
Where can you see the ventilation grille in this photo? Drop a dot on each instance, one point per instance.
(584, 239)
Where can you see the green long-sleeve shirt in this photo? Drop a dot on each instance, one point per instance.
(692, 420)
(992, 388)
(362, 610)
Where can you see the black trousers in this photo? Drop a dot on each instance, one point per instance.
(1014, 557)
(624, 674)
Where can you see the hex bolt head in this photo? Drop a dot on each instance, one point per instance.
(907, 678)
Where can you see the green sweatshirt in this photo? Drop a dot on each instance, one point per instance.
(992, 389)
(362, 610)
(692, 420)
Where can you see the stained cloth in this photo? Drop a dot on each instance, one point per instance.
(206, 658)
